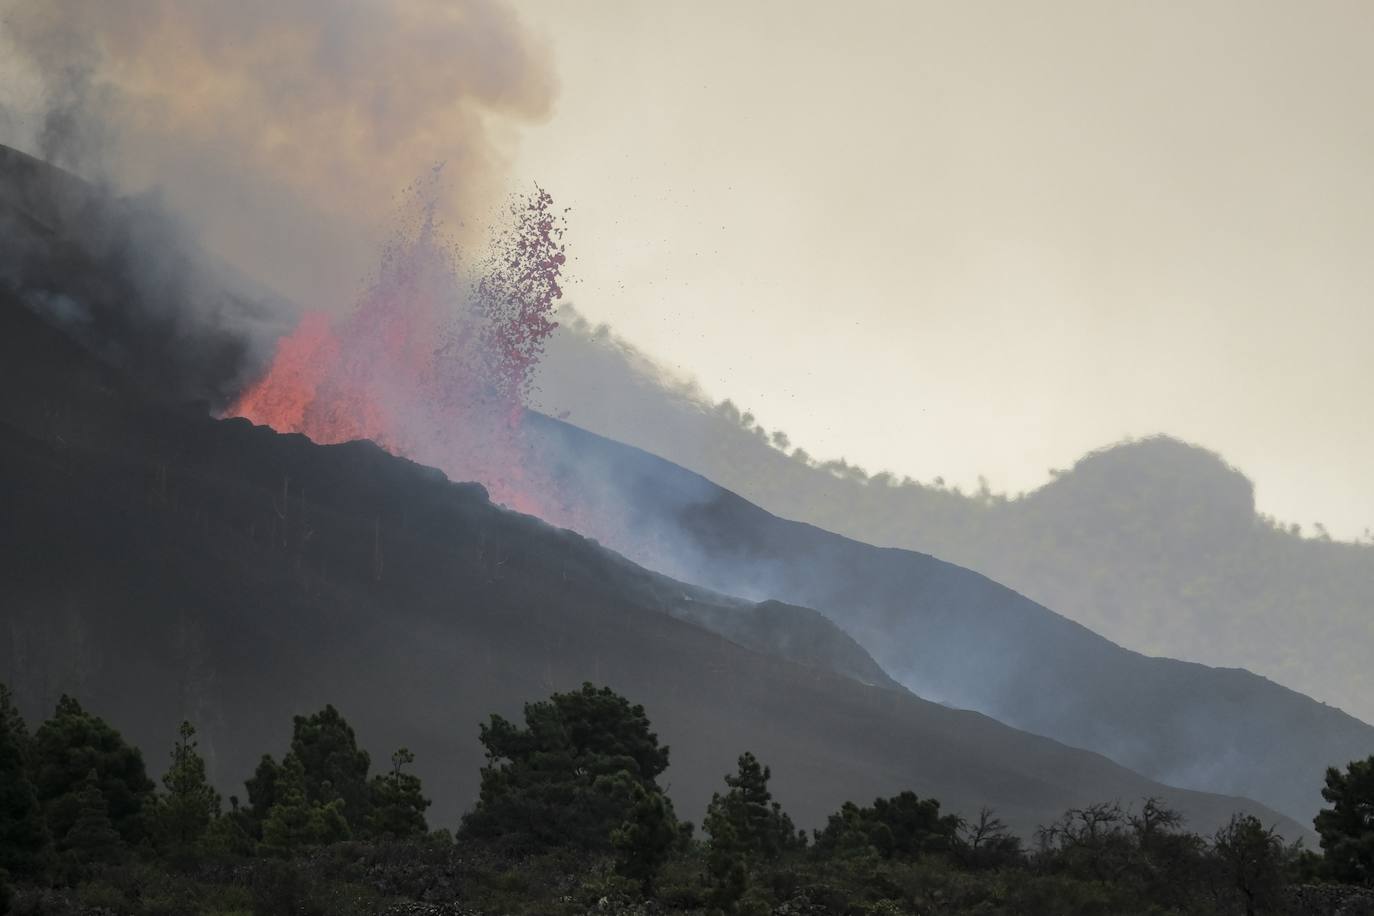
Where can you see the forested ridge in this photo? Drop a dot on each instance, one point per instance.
(572, 817)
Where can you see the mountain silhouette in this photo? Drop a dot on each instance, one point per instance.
(953, 635)
(161, 564)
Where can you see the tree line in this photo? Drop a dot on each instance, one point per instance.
(579, 780)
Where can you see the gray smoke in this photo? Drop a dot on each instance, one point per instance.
(276, 135)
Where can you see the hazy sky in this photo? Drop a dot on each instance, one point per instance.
(952, 238)
(942, 238)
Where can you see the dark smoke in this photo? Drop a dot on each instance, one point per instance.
(274, 134)
(283, 131)
(125, 277)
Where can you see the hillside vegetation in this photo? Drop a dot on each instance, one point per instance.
(572, 817)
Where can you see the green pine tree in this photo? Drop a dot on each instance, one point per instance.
(233, 833)
(904, 826)
(1346, 828)
(746, 827)
(646, 838)
(566, 778)
(332, 764)
(184, 813)
(726, 864)
(92, 838)
(65, 749)
(761, 829)
(23, 833)
(262, 791)
(294, 821)
(398, 802)
(10, 719)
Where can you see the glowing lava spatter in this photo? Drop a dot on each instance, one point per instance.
(426, 365)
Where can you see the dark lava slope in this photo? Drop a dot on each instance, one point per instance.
(957, 637)
(162, 564)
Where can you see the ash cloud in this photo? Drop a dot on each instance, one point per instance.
(123, 276)
(277, 135)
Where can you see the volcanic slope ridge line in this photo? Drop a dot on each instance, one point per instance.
(161, 565)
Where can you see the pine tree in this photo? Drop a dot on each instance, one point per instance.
(262, 790)
(23, 834)
(10, 719)
(287, 824)
(904, 826)
(294, 821)
(233, 833)
(566, 778)
(760, 828)
(332, 764)
(726, 864)
(64, 751)
(398, 802)
(190, 805)
(92, 838)
(746, 827)
(1347, 827)
(646, 838)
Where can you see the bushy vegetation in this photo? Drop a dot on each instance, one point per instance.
(571, 819)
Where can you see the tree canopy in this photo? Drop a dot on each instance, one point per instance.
(92, 838)
(398, 801)
(71, 745)
(902, 827)
(569, 776)
(332, 764)
(572, 819)
(1347, 827)
(183, 815)
(295, 821)
(23, 834)
(746, 828)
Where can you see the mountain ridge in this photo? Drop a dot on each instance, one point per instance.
(148, 547)
(1166, 583)
(956, 636)
(685, 490)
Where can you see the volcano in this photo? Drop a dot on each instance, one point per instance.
(163, 564)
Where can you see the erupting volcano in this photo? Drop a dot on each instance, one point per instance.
(429, 365)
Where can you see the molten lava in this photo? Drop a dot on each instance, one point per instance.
(426, 365)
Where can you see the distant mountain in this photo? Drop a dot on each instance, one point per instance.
(1154, 544)
(955, 636)
(162, 564)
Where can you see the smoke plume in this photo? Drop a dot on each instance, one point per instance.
(428, 365)
(279, 132)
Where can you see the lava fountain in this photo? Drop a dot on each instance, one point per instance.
(428, 365)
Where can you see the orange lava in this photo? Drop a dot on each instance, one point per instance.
(426, 365)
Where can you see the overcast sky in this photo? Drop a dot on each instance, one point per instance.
(961, 238)
(939, 238)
